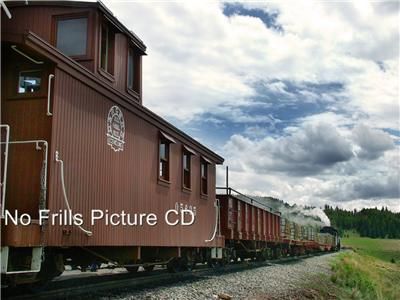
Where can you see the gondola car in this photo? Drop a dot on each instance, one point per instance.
(251, 229)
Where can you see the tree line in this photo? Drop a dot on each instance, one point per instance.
(368, 222)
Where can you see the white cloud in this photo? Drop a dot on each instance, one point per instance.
(372, 142)
(200, 61)
(315, 165)
(199, 58)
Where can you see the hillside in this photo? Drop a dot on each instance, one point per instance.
(368, 222)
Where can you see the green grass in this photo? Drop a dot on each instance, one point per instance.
(365, 273)
(384, 249)
(361, 276)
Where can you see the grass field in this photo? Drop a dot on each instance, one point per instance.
(360, 276)
(368, 272)
(383, 249)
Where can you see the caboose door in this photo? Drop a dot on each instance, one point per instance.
(24, 107)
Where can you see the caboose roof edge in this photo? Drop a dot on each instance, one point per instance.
(53, 54)
(93, 4)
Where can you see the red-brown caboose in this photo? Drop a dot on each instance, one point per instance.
(76, 137)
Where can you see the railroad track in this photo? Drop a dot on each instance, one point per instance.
(92, 287)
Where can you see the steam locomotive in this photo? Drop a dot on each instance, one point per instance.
(75, 137)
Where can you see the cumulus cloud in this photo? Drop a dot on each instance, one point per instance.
(372, 142)
(366, 186)
(319, 146)
(308, 150)
(303, 95)
(194, 67)
(316, 164)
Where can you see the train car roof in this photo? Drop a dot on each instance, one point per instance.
(46, 50)
(92, 4)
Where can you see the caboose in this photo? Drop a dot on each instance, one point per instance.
(75, 136)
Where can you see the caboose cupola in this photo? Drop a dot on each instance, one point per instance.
(86, 32)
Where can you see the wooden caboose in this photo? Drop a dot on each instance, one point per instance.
(76, 137)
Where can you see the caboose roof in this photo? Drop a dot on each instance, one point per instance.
(91, 4)
(64, 62)
(33, 42)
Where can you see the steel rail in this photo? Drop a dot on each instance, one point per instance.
(121, 282)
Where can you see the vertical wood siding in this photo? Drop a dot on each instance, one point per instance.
(97, 177)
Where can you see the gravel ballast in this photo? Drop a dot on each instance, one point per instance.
(277, 280)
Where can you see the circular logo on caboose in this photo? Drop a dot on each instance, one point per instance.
(116, 129)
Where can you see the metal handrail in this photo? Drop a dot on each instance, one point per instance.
(51, 76)
(46, 152)
(217, 218)
(14, 47)
(247, 199)
(61, 162)
(4, 182)
(5, 8)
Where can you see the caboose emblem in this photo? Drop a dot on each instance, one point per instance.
(116, 129)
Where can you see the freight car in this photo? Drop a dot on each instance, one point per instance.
(78, 145)
(253, 230)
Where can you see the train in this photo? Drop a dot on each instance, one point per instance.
(254, 230)
(90, 176)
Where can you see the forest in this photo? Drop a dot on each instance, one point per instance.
(368, 222)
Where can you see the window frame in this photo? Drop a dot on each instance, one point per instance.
(205, 163)
(89, 38)
(11, 90)
(29, 94)
(161, 140)
(163, 137)
(134, 90)
(188, 170)
(109, 71)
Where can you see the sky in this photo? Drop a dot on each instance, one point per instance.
(301, 98)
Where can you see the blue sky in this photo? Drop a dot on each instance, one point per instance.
(302, 99)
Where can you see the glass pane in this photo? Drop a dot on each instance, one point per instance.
(204, 186)
(72, 36)
(185, 161)
(104, 48)
(163, 152)
(164, 170)
(203, 170)
(186, 179)
(29, 81)
(130, 69)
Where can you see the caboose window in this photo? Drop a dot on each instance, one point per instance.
(107, 49)
(187, 153)
(186, 169)
(29, 81)
(133, 70)
(72, 36)
(164, 148)
(164, 159)
(204, 177)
